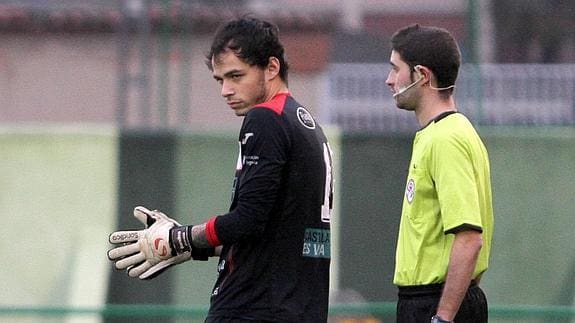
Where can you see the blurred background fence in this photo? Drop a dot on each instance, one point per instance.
(107, 104)
(358, 100)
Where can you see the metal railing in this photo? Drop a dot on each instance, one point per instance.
(357, 98)
(376, 310)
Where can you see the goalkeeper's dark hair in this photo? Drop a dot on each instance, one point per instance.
(252, 40)
(432, 47)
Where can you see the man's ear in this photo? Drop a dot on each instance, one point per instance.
(273, 69)
(422, 72)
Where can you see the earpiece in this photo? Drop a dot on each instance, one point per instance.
(417, 69)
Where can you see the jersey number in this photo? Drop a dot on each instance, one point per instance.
(327, 205)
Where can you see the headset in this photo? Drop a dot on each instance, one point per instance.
(402, 90)
(421, 76)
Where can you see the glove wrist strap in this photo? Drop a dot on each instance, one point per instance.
(181, 241)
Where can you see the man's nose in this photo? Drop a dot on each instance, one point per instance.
(227, 90)
(388, 80)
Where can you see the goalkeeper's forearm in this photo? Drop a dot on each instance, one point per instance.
(199, 236)
(200, 239)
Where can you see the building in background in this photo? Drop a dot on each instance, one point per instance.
(140, 62)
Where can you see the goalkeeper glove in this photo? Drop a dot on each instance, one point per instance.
(147, 253)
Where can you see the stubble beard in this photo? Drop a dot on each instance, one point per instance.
(258, 98)
(404, 105)
(262, 93)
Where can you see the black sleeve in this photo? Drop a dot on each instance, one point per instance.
(464, 227)
(264, 143)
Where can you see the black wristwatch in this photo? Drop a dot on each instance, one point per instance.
(438, 319)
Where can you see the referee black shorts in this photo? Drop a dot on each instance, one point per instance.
(418, 304)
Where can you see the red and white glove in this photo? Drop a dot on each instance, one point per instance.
(147, 253)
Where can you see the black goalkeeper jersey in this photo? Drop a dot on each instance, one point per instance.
(275, 260)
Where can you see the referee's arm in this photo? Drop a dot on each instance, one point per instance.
(464, 254)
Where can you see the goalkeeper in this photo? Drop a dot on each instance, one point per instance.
(274, 243)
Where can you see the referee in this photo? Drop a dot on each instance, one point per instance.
(446, 223)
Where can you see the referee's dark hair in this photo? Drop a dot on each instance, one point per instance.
(432, 47)
(252, 40)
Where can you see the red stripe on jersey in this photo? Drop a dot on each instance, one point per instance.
(211, 234)
(276, 104)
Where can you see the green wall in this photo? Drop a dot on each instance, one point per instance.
(65, 189)
(533, 179)
(58, 202)
(372, 182)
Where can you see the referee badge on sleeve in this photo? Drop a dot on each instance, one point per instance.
(410, 190)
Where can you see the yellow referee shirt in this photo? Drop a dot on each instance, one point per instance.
(448, 188)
